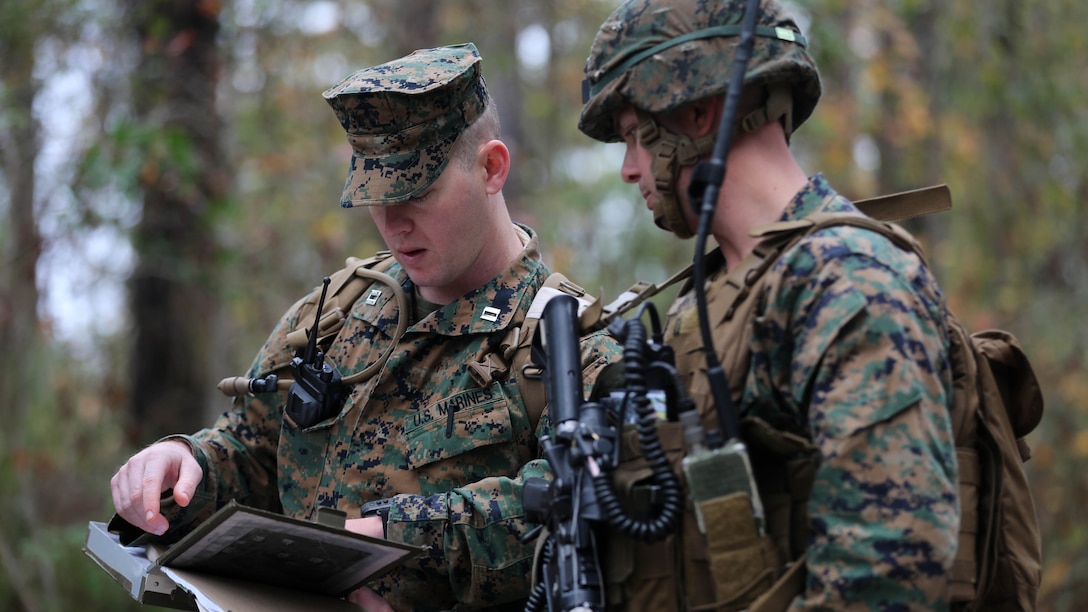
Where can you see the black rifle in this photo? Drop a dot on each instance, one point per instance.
(579, 501)
(573, 509)
(317, 392)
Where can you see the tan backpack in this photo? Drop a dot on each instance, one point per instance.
(996, 401)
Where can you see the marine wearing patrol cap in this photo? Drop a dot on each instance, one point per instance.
(402, 119)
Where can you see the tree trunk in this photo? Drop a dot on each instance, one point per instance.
(184, 182)
(497, 42)
(412, 24)
(32, 581)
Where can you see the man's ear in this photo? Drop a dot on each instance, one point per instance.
(704, 115)
(494, 157)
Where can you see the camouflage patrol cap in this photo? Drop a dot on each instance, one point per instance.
(402, 119)
(657, 55)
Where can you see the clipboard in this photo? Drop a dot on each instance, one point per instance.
(244, 558)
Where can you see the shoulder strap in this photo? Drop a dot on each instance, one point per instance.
(635, 295)
(529, 379)
(345, 287)
(907, 204)
(892, 207)
(820, 220)
(514, 350)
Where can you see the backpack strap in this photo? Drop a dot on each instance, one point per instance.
(345, 287)
(892, 207)
(635, 295)
(907, 204)
(514, 350)
(821, 220)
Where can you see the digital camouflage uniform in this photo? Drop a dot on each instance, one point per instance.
(457, 494)
(850, 350)
(451, 453)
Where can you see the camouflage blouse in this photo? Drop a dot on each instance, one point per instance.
(849, 349)
(451, 453)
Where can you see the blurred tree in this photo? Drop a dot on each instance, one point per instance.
(184, 180)
(20, 249)
(46, 446)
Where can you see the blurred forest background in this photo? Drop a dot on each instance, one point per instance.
(171, 177)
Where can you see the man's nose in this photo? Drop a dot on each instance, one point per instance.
(397, 218)
(630, 170)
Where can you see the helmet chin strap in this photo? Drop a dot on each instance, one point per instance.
(671, 152)
(778, 106)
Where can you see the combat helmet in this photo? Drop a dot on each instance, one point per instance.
(657, 55)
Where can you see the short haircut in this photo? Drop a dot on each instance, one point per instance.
(485, 128)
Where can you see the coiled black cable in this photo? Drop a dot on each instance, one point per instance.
(672, 501)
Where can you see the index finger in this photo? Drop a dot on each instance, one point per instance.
(153, 482)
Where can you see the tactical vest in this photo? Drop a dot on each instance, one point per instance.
(996, 401)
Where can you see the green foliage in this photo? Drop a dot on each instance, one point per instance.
(80, 583)
(56, 458)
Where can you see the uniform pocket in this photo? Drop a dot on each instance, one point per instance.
(458, 424)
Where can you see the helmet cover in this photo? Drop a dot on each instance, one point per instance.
(657, 55)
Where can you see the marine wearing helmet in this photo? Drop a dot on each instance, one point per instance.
(659, 56)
